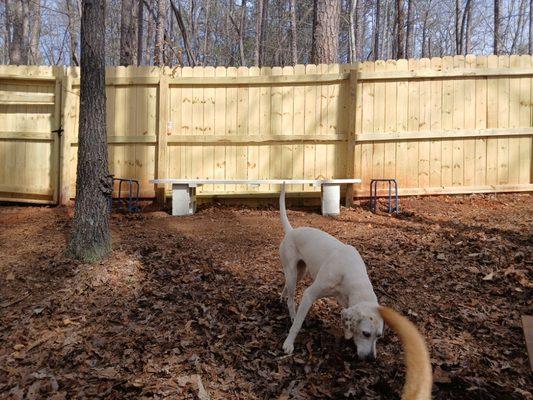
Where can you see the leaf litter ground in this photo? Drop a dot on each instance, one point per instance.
(189, 308)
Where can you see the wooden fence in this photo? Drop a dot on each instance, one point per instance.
(445, 125)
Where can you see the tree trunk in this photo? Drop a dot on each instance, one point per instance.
(242, 27)
(159, 50)
(140, 28)
(206, 34)
(462, 30)
(468, 34)
(149, 35)
(360, 30)
(410, 29)
(73, 37)
(519, 26)
(325, 47)
(90, 238)
(458, 31)
(294, 49)
(400, 46)
(128, 32)
(375, 51)
(259, 5)
(16, 46)
(353, 30)
(425, 49)
(496, 27)
(179, 19)
(35, 54)
(531, 27)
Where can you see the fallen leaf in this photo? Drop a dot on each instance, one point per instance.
(489, 277)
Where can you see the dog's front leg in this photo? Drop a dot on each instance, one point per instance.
(308, 298)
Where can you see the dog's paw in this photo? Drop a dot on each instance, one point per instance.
(288, 347)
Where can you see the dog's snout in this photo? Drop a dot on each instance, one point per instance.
(367, 357)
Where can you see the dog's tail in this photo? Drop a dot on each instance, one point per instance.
(283, 212)
(419, 378)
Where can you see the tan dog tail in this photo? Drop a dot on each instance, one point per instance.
(283, 212)
(419, 377)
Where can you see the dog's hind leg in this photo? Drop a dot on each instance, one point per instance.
(289, 260)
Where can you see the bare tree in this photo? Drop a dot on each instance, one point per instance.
(400, 46)
(128, 32)
(17, 48)
(519, 26)
(159, 49)
(375, 35)
(149, 34)
(240, 29)
(326, 21)
(294, 49)
(140, 27)
(497, 22)
(353, 30)
(34, 52)
(360, 29)
(468, 33)
(261, 17)
(90, 239)
(410, 29)
(72, 32)
(179, 19)
(530, 45)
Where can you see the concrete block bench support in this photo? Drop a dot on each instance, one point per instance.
(184, 191)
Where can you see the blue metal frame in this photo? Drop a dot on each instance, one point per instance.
(374, 195)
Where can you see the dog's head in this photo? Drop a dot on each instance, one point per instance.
(364, 325)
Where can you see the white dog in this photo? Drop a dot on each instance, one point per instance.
(337, 271)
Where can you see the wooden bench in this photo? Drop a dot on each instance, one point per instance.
(184, 191)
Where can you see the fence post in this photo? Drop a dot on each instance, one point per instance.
(67, 123)
(162, 150)
(350, 167)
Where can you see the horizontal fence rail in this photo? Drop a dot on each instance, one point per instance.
(441, 125)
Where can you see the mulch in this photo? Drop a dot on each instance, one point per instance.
(189, 308)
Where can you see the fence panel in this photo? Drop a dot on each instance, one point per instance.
(29, 113)
(441, 125)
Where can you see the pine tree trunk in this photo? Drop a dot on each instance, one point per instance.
(242, 29)
(400, 30)
(159, 50)
(468, 34)
(458, 31)
(497, 27)
(72, 34)
(90, 239)
(35, 54)
(375, 51)
(294, 48)
(128, 32)
(149, 37)
(531, 27)
(325, 48)
(259, 4)
(140, 32)
(410, 29)
(360, 30)
(16, 47)
(353, 30)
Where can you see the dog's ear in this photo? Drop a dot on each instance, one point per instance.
(344, 314)
(346, 323)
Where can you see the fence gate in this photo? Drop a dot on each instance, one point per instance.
(29, 134)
